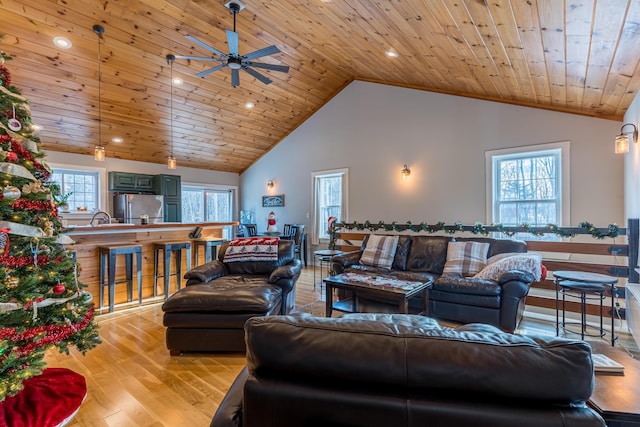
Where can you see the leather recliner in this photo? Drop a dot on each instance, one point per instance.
(405, 370)
(210, 312)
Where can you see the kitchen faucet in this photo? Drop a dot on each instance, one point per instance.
(106, 220)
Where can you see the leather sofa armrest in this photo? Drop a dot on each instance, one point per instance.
(517, 275)
(206, 272)
(229, 413)
(340, 262)
(288, 272)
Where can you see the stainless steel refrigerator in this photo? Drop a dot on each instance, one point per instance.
(130, 208)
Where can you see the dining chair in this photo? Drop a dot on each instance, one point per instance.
(297, 235)
(250, 230)
(286, 232)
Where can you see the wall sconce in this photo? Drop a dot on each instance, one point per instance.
(270, 184)
(405, 172)
(622, 140)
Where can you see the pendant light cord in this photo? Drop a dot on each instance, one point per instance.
(99, 30)
(99, 91)
(171, 109)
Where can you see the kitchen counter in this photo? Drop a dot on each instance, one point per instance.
(89, 239)
(122, 227)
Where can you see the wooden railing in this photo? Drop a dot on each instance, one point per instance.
(617, 256)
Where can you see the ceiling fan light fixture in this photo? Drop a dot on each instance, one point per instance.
(234, 63)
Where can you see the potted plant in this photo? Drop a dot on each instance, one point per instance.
(61, 200)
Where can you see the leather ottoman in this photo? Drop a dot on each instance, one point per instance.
(211, 316)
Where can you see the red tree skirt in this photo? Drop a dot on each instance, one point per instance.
(48, 400)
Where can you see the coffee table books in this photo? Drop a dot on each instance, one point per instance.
(604, 364)
(381, 281)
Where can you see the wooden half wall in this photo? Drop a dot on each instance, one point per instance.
(589, 249)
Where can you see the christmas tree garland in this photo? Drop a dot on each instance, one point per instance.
(40, 306)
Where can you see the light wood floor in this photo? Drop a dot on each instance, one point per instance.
(132, 380)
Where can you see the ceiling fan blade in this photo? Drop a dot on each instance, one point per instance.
(210, 70)
(272, 67)
(264, 79)
(196, 58)
(206, 46)
(235, 77)
(270, 50)
(232, 39)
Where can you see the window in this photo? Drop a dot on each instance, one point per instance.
(202, 204)
(83, 187)
(330, 190)
(529, 185)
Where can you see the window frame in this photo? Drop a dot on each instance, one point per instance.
(563, 175)
(101, 186)
(204, 188)
(316, 227)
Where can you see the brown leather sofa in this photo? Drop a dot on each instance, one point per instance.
(467, 300)
(210, 312)
(405, 370)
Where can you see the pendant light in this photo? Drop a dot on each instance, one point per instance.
(171, 161)
(99, 151)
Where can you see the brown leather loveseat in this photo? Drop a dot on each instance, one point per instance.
(497, 302)
(398, 370)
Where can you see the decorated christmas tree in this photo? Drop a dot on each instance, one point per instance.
(42, 304)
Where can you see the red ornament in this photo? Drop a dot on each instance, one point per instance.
(59, 289)
(5, 77)
(11, 157)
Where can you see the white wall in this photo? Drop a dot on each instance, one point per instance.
(374, 129)
(632, 165)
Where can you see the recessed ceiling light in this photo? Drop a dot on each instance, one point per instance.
(62, 42)
(117, 139)
(35, 127)
(177, 81)
(391, 54)
(249, 105)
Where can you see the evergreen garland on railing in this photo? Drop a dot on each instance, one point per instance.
(612, 230)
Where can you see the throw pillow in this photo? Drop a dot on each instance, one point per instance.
(379, 251)
(465, 258)
(529, 262)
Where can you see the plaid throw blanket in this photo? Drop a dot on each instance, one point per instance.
(252, 249)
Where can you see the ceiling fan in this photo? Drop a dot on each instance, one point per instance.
(233, 59)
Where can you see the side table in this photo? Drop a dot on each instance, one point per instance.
(580, 284)
(324, 256)
(617, 397)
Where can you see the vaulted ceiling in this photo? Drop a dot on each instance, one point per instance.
(578, 56)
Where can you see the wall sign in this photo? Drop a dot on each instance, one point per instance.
(273, 201)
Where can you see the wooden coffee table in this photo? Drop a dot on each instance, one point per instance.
(617, 397)
(392, 294)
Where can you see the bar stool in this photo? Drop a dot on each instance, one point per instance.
(210, 249)
(169, 248)
(108, 257)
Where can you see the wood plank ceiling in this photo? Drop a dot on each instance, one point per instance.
(578, 56)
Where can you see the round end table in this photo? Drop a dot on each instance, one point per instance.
(581, 284)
